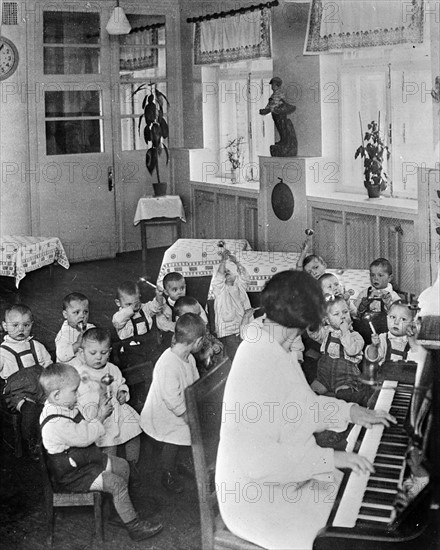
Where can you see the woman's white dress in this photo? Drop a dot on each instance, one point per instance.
(276, 486)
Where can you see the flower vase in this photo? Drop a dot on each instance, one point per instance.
(373, 191)
(235, 175)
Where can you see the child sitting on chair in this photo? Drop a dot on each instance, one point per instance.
(373, 302)
(341, 348)
(164, 414)
(100, 378)
(230, 301)
(22, 360)
(135, 325)
(399, 343)
(73, 459)
(211, 351)
(76, 315)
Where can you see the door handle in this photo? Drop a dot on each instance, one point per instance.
(110, 178)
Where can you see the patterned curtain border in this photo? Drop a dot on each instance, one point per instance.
(262, 49)
(134, 63)
(315, 43)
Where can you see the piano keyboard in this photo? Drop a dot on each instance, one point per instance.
(368, 498)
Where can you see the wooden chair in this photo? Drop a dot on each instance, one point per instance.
(204, 406)
(55, 498)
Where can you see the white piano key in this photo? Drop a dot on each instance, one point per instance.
(348, 510)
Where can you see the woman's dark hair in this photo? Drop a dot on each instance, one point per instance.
(293, 299)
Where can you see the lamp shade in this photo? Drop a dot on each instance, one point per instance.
(118, 22)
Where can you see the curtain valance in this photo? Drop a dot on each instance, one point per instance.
(339, 24)
(137, 49)
(234, 38)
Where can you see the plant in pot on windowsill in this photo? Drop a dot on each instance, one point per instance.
(235, 157)
(374, 152)
(154, 132)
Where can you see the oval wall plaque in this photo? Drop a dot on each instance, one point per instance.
(283, 203)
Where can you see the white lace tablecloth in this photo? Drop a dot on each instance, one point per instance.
(168, 206)
(200, 257)
(197, 257)
(19, 255)
(261, 266)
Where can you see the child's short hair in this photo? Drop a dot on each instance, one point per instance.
(172, 277)
(184, 302)
(73, 297)
(312, 257)
(383, 262)
(19, 308)
(96, 334)
(332, 299)
(401, 303)
(293, 299)
(129, 288)
(326, 276)
(56, 376)
(188, 328)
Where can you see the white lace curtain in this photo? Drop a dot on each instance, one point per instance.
(136, 51)
(233, 38)
(338, 24)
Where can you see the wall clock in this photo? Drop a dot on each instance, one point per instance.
(8, 58)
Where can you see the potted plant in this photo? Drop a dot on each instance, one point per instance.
(235, 156)
(373, 150)
(154, 132)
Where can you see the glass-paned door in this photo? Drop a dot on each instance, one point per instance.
(75, 131)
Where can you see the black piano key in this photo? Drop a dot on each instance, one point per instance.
(388, 473)
(395, 450)
(375, 512)
(395, 461)
(397, 438)
(375, 497)
(381, 483)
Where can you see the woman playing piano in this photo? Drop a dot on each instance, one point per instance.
(276, 486)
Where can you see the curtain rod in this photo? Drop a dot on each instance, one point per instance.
(147, 27)
(222, 14)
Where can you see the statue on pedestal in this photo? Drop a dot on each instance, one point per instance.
(287, 146)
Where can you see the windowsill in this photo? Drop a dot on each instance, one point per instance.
(387, 204)
(225, 182)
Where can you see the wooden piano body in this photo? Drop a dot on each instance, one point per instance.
(418, 526)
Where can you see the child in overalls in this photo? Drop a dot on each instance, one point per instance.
(136, 326)
(74, 461)
(373, 302)
(341, 348)
(22, 360)
(399, 343)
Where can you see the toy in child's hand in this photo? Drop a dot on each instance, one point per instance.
(348, 293)
(309, 232)
(221, 244)
(368, 318)
(107, 380)
(81, 326)
(147, 282)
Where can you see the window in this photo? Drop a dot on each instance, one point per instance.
(142, 56)
(73, 118)
(396, 84)
(233, 95)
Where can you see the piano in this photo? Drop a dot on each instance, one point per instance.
(367, 513)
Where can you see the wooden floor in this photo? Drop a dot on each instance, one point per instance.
(22, 518)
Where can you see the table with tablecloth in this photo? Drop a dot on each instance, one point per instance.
(201, 257)
(21, 254)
